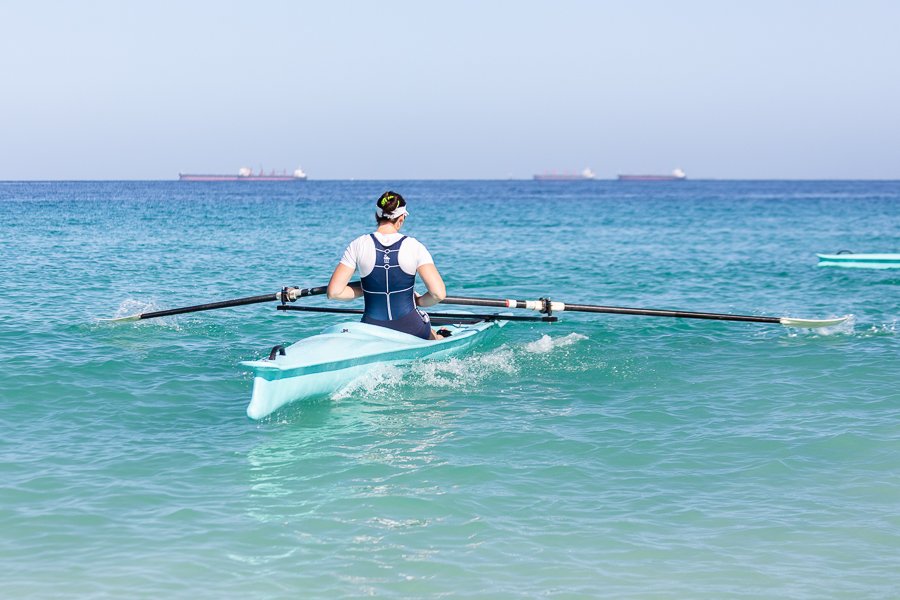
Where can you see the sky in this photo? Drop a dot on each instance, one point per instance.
(116, 89)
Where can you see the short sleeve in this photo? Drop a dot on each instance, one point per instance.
(413, 255)
(349, 257)
(424, 256)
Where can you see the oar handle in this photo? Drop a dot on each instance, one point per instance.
(294, 293)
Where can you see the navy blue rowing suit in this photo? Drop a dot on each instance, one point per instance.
(390, 294)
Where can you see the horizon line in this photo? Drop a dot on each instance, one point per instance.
(594, 180)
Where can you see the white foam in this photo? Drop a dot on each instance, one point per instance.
(883, 329)
(134, 307)
(385, 376)
(465, 372)
(452, 373)
(459, 373)
(848, 327)
(547, 343)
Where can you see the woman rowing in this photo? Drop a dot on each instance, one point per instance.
(388, 263)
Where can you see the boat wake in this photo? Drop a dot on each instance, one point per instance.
(453, 373)
(459, 373)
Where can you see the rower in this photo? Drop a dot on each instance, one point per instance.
(388, 263)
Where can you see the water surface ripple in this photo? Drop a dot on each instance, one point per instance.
(599, 457)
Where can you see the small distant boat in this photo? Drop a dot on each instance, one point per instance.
(587, 174)
(677, 175)
(860, 261)
(246, 174)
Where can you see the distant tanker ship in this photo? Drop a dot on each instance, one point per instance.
(677, 175)
(586, 174)
(245, 174)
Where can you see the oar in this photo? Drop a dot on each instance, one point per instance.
(544, 305)
(437, 315)
(289, 294)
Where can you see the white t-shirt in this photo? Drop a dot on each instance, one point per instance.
(360, 254)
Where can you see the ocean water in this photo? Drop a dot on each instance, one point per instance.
(602, 456)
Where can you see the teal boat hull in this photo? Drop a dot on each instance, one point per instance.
(324, 363)
(860, 261)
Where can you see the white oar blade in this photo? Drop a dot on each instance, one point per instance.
(122, 319)
(813, 323)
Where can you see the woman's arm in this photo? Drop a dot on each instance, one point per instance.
(435, 284)
(338, 288)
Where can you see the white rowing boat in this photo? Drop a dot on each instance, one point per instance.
(324, 363)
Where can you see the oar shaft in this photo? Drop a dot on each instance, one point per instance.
(211, 306)
(295, 294)
(679, 314)
(321, 309)
(543, 305)
(437, 315)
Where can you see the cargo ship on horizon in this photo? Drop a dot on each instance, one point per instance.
(584, 175)
(246, 174)
(677, 175)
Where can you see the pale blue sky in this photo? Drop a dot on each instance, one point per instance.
(463, 89)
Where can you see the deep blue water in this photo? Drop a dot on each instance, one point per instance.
(601, 456)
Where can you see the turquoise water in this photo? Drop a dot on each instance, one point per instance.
(602, 456)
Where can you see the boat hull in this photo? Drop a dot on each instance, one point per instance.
(324, 363)
(860, 261)
(193, 177)
(563, 177)
(651, 178)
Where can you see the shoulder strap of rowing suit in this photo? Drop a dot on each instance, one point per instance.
(388, 290)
